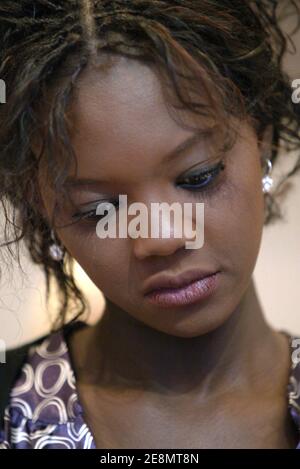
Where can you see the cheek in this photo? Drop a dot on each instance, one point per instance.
(234, 223)
(106, 261)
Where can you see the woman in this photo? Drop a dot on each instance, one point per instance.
(176, 102)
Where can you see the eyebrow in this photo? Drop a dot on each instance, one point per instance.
(75, 182)
(188, 143)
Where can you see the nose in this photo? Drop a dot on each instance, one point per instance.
(145, 247)
(169, 238)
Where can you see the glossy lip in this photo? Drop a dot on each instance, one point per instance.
(194, 292)
(176, 281)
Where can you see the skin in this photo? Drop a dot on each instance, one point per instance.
(212, 374)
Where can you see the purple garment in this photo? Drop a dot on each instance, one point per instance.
(44, 410)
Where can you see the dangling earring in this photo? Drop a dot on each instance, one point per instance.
(55, 250)
(267, 181)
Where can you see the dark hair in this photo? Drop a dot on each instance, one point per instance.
(233, 47)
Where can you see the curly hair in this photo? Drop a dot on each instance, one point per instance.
(231, 49)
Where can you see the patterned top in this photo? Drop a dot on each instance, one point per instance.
(44, 410)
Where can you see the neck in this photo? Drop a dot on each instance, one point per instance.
(121, 351)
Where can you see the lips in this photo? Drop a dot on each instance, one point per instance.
(164, 281)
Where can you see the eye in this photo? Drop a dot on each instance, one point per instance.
(91, 215)
(200, 181)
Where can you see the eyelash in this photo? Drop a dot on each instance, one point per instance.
(204, 189)
(209, 186)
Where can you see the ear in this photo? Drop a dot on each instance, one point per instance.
(36, 149)
(33, 195)
(265, 144)
(40, 204)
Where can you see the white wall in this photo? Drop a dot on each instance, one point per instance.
(277, 272)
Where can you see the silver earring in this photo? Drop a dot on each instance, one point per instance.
(55, 250)
(267, 181)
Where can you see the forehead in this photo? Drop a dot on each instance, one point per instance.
(123, 112)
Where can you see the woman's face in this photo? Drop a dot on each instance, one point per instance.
(122, 136)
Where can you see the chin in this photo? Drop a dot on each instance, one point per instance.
(189, 325)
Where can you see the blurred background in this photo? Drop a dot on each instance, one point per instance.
(24, 315)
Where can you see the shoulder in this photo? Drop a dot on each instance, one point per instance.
(294, 380)
(39, 379)
(11, 368)
(295, 374)
(33, 358)
(41, 407)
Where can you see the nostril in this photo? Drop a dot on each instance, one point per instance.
(146, 247)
